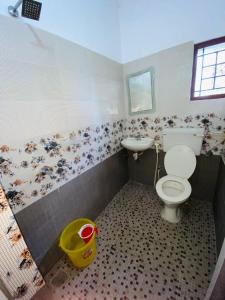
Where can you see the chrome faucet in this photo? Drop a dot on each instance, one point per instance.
(138, 136)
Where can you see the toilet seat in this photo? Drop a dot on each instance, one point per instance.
(173, 189)
(180, 161)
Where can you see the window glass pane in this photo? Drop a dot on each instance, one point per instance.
(207, 84)
(220, 70)
(206, 93)
(219, 91)
(214, 48)
(208, 72)
(221, 57)
(213, 92)
(198, 73)
(200, 52)
(209, 59)
(220, 82)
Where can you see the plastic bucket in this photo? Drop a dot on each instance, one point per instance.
(80, 253)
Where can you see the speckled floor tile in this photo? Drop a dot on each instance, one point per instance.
(141, 256)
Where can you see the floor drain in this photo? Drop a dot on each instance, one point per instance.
(59, 279)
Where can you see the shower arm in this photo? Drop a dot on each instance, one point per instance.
(13, 9)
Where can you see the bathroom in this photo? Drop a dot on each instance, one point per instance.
(77, 142)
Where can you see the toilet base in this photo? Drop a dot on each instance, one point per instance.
(171, 214)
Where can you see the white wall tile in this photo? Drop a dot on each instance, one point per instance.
(52, 84)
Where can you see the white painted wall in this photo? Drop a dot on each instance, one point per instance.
(125, 30)
(172, 84)
(148, 26)
(93, 24)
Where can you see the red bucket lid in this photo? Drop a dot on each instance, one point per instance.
(86, 231)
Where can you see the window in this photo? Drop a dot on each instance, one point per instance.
(208, 78)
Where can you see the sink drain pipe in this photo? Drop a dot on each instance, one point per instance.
(136, 155)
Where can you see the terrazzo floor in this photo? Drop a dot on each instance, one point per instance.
(141, 256)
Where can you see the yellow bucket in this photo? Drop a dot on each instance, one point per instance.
(80, 253)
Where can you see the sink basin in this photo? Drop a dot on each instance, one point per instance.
(136, 145)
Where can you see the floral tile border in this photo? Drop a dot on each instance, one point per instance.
(18, 270)
(214, 134)
(43, 164)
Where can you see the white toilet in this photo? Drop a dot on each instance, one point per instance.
(181, 146)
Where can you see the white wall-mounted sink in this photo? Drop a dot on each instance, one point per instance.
(137, 144)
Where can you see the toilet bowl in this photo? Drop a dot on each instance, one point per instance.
(174, 189)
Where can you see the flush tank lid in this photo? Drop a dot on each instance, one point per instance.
(191, 137)
(180, 161)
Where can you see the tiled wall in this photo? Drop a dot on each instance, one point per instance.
(49, 85)
(61, 107)
(18, 270)
(173, 108)
(83, 196)
(43, 164)
(213, 124)
(219, 208)
(203, 181)
(61, 114)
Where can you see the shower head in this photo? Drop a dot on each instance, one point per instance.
(30, 9)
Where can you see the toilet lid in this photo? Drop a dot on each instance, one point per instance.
(180, 161)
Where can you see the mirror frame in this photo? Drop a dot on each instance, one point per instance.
(151, 70)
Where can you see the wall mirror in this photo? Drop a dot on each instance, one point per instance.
(140, 92)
